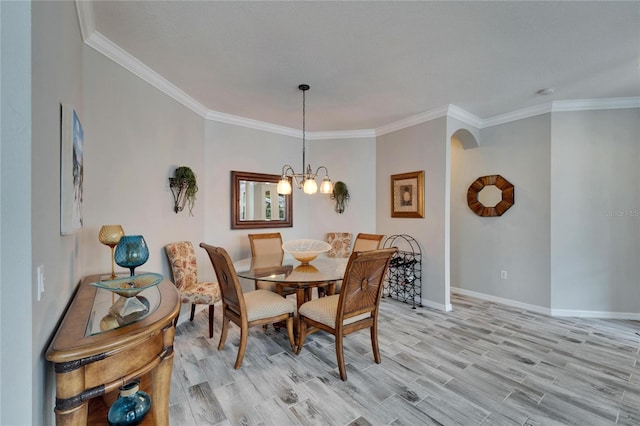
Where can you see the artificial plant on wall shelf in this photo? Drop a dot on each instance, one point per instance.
(340, 194)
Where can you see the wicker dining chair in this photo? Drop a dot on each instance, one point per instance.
(364, 242)
(258, 307)
(182, 259)
(269, 247)
(355, 308)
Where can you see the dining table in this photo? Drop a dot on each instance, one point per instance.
(285, 271)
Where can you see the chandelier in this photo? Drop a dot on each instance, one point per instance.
(307, 179)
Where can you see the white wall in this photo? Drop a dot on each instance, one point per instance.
(135, 137)
(517, 241)
(421, 147)
(19, 382)
(57, 78)
(230, 147)
(595, 211)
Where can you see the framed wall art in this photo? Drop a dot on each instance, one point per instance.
(71, 170)
(407, 195)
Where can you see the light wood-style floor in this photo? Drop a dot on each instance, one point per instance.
(482, 363)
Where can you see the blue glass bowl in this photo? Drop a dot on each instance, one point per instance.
(131, 252)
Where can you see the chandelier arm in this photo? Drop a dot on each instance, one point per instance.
(287, 168)
(287, 171)
(326, 171)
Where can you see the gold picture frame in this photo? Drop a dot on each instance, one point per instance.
(407, 195)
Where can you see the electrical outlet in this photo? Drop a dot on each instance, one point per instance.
(503, 275)
(40, 281)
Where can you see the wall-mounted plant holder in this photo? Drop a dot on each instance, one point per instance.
(341, 196)
(183, 187)
(505, 203)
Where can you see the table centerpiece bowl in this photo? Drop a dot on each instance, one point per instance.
(305, 250)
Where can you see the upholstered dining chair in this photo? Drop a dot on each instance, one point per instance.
(364, 242)
(355, 308)
(258, 307)
(269, 247)
(182, 259)
(340, 244)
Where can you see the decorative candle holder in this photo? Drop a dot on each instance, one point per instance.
(110, 235)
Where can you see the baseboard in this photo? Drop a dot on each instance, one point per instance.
(595, 314)
(548, 311)
(438, 306)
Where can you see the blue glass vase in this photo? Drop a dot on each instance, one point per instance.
(131, 252)
(131, 407)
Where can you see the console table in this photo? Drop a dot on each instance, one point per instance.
(93, 354)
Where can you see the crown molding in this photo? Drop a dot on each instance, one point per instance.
(591, 104)
(342, 134)
(516, 115)
(252, 124)
(464, 116)
(86, 18)
(412, 121)
(112, 51)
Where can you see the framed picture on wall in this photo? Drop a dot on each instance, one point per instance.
(407, 195)
(71, 170)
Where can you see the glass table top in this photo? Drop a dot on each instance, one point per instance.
(278, 268)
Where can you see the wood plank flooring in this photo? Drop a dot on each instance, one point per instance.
(481, 364)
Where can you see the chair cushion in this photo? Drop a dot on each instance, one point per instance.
(323, 310)
(203, 293)
(264, 304)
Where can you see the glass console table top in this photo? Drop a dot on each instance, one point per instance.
(101, 319)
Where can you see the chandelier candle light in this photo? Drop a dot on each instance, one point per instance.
(307, 179)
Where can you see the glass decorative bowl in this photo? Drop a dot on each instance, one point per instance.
(130, 286)
(304, 251)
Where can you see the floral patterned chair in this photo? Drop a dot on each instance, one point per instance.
(340, 244)
(182, 259)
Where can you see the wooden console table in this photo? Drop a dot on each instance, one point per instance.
(94, 355)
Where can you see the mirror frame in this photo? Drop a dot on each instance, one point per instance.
(508, 196)
(236, 223)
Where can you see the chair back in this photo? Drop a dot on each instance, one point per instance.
(366, 242)
(340, 244)
(362, 284)
(266, 244)
(230, 288)
(182, 259)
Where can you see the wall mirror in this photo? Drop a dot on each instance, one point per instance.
(255, 202)
(490, 196)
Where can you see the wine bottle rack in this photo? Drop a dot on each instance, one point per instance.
(403, 281)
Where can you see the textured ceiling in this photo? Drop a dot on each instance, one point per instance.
(370, 64)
